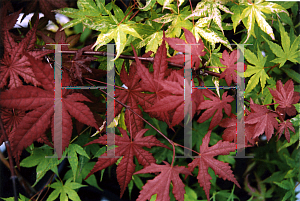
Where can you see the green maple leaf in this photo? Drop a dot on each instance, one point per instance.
(254, 12)
(289, 52)
(73, 149)
(64, 189)
(118, 31)
(39, 158)
(89, 13)
(210, 10)
(115, 27)
(209, 34)
(178, 21)
(151, 32)
(258, 71)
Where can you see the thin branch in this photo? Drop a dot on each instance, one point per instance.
(11, 164)
(127, 13)
(192, 11)
(127, 107)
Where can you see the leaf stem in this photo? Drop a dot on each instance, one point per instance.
(104, 83)
(192, 12)
(179, 145)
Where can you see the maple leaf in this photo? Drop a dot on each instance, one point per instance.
(40, 101)
(258, 71)
(230, 133)
(284, 126)
(175, 101)
(178, 21)
(285, 96)
(229, 62)
(206, 160)
(196, 50)
(10, 118)
(45, 6)
(15, 63)
(118, 30)
(126, 148)
(264, 120)
(131, 96)
(78, 62)
(160, 185)
(254, 12)
(210, 8)
(289, 52)
(151, 82)
(215, 104)
(89, 13)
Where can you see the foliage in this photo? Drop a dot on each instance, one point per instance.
(152, 106)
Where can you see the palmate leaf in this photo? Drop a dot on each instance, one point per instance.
(118, 31)
(43, 164)
(206, 160)
(285, 96)
(40, 101)
(128, 149)
(210, 34)
(65, 191)
(210, 9)
(264, 120)
(178, 21)
(254, 12)
(89, 13)
(197, 49)
(151, 32)
(160, 184)
(14, 63)
(257, 71)
(288, 51)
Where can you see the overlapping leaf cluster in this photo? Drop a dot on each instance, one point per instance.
(155, 89)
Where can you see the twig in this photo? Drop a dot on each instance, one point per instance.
(127, 14)
(127, 107)
(11, 164)
(192, 11)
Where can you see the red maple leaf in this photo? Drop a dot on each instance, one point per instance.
(15, 63)
(175, 101)
(285, 96)
(264, 120)
(127, 148)
(215, 104)
(80, 62)
(206, 160)
(40, 101)
(10, 118)
(160, 184)
(285, 126)
(131, 97)
(230, 133)
(229, 62)
(179, 45)
(151, 82)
